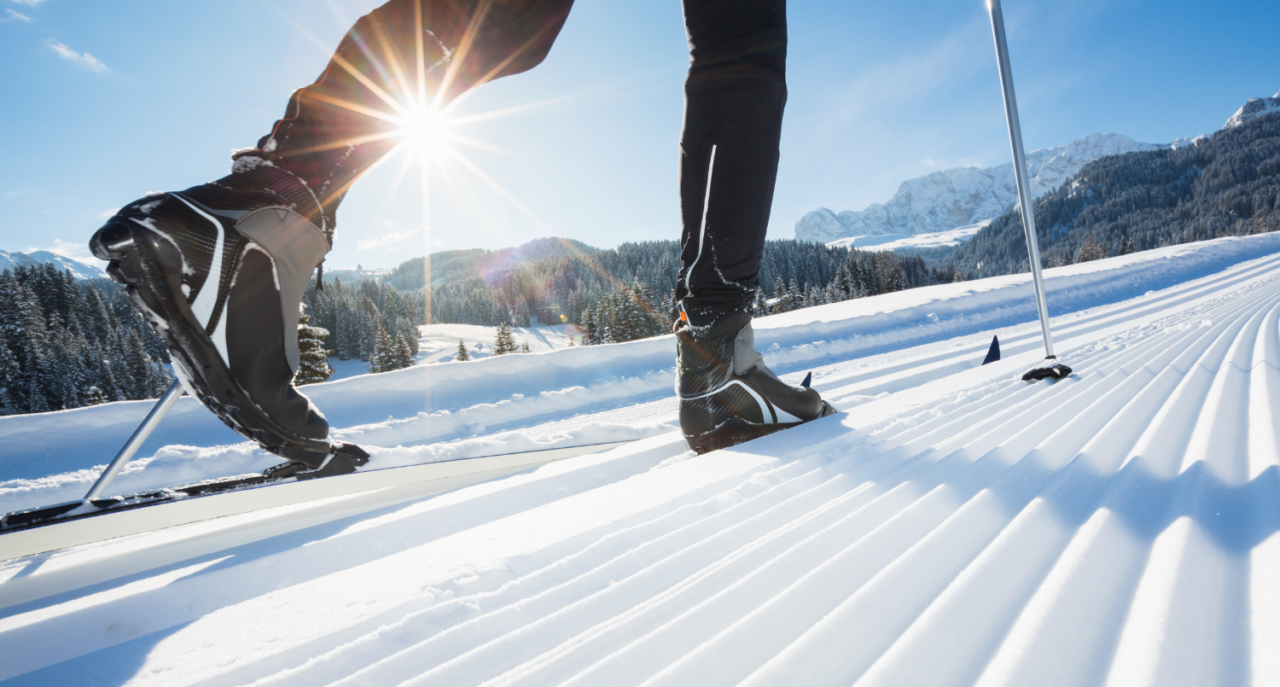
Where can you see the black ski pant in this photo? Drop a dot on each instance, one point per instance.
(337, 128)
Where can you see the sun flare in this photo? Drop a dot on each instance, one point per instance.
(426, 130)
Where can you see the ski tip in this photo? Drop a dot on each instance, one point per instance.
(993, 353)
(1055, 371)
(808, 379)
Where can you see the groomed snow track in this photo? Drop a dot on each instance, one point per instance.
(955, 526)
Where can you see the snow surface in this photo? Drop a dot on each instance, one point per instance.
(952, 526)
(438, 343)
(934, 239)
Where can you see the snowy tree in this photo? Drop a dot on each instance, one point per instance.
(10, 380)
(504, 343)
(402, 353)
(382, 358)
(606, 335)
(462, 356)
(93, 397)
(758, 307)
(795, 300)
(524, 347)
(841, 285)
(780, 296)
(1090, 250)
(369, 323)
(587, 323)
(313, 358)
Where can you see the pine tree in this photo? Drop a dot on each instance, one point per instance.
(94, 397)
(842, 285)
(382, 359)
(504, 343)
(313, 359)
(587, 323)
(795, 300)
(524, 346)
(1090, 251)
(10, 380)
(369, 323)
(462, 355)
(401, 354)
(758, 307)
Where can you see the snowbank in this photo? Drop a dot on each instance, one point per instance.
(53, 457)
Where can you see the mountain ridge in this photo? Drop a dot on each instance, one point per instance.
(81, 270)
(964, 195)
(1253, 108)
(957, 197)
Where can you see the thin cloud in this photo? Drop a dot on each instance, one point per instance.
(107, 214)
(83, 59)
(14, 15)
(944, 163)
(914, 78)
(387, 240)
(29, 3)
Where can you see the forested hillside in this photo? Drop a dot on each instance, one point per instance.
(68, 343)
(517, 287)
(1226, 185)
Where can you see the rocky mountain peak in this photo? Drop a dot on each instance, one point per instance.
(1255, 107)
(956, 197)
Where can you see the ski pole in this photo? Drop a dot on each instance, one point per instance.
(135, 442)
(1020, 171)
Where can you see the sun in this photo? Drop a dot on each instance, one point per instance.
(426, 130)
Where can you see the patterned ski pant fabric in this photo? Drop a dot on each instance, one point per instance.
(336, 128)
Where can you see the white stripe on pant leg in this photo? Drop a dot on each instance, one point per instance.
(702, 232)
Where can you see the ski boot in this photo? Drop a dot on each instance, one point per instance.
(219, 271)
(727, 394)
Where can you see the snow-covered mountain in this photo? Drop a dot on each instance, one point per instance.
(953, 198)
(1256, 107)
(79, 269)
(962, 196)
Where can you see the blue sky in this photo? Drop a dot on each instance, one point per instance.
(103, 102)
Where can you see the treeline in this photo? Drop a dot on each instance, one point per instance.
(1227, 185)
(67, 343)
(367, 320)
(492, 288)
(632, 312)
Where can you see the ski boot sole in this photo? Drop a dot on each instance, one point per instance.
(342, 461)
(134, 259)
(739, 431)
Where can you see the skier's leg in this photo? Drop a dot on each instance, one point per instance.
(399, 59)
(734, 98)
(220, 269)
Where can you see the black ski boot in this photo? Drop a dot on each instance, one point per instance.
(727, 394)
(219, 271)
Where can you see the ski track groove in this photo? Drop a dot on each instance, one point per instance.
(1002, 534)
(644, 655)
